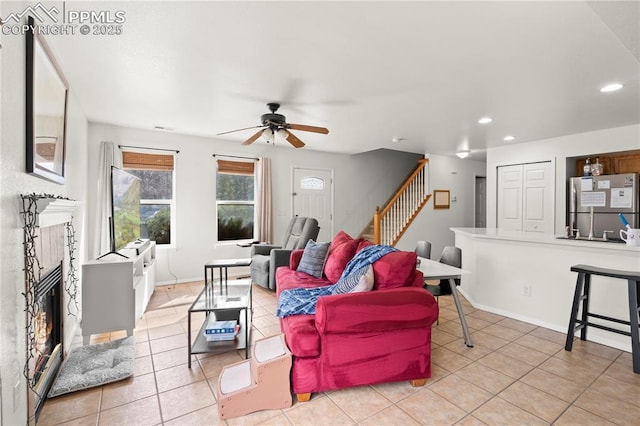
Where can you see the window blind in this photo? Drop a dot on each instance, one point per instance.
(236, 167)
(145, 161)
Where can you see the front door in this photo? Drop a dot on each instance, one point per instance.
(313, 197)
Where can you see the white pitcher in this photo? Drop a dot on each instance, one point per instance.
(631, 236)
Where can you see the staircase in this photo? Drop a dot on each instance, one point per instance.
(391, 222)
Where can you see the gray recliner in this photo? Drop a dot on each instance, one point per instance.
(265, 258)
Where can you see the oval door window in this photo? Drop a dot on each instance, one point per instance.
(312, 182)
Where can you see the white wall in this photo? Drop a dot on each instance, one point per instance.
(14, 181)
(359, 180)
(458, 176)
(556, 149)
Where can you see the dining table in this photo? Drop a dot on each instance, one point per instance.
(433, 270)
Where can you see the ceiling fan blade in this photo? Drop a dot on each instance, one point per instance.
(239, 130)
(253, 138)
(293, 140)
(306, 128)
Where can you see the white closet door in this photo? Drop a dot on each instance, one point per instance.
(510, 197)
(525, 197)
(538, 197)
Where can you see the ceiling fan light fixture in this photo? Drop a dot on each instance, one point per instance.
(268, 135)
(273, 125)
(282, 133)
(463, 153)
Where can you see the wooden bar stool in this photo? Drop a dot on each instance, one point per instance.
(582, 295)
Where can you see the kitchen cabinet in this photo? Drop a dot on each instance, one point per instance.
(614, 163)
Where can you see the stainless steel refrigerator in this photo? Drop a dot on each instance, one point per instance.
(595, 201)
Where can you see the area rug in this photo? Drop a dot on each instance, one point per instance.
(95, 365)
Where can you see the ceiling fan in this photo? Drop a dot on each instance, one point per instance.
(276, 124)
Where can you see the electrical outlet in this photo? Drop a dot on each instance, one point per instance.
(526, 290)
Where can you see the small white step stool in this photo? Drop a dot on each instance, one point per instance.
(259, 383)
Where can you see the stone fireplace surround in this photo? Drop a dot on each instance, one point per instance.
(49, 256)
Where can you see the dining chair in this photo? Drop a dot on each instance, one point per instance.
(423, 249)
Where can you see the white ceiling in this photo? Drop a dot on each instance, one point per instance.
(368, 71)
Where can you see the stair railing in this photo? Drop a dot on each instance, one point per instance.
(390, 223)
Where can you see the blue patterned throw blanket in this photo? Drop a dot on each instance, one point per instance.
(298, 301)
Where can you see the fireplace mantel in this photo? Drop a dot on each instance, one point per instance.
(54, 211)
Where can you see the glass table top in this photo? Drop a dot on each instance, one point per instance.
(234, 296)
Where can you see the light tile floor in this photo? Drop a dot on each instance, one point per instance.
(515, 374)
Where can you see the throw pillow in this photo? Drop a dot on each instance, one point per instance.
(395, 270)
(358, 281)
(341, 251)
(313, 258)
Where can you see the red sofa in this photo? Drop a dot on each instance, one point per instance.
(353, 339)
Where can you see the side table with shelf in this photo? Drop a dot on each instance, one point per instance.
(227, 305)
(223, 265)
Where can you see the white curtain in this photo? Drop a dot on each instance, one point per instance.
(110, 155)
(265, 219)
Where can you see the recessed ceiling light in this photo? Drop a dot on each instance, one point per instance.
(509, 138)
(485, 120)
(396, 140)
(463, 153)
(611, 87)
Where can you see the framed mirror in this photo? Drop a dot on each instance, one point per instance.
(46, 109)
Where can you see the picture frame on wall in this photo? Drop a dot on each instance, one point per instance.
(46, 109)
(441, 199)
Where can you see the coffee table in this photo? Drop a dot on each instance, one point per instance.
(223, 266)
(227, 305)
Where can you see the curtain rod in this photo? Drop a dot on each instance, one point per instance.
(236, 156)
(144, 147)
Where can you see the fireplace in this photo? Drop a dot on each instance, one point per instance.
(50, 291)
(47, 333)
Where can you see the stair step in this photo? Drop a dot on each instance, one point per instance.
(235, 377)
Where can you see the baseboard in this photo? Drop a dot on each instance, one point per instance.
(235, 276)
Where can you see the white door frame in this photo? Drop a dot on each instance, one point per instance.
(293, 188)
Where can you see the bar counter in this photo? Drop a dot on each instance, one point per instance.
(527, 276)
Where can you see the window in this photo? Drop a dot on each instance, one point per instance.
(311, 182)
(235, 200)
(156, 193)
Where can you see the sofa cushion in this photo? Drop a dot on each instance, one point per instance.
(358, 281)
(313, 258)
(395, 269)
(287, 279)
(342, 249)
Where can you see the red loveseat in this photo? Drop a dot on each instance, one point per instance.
(354, 339)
